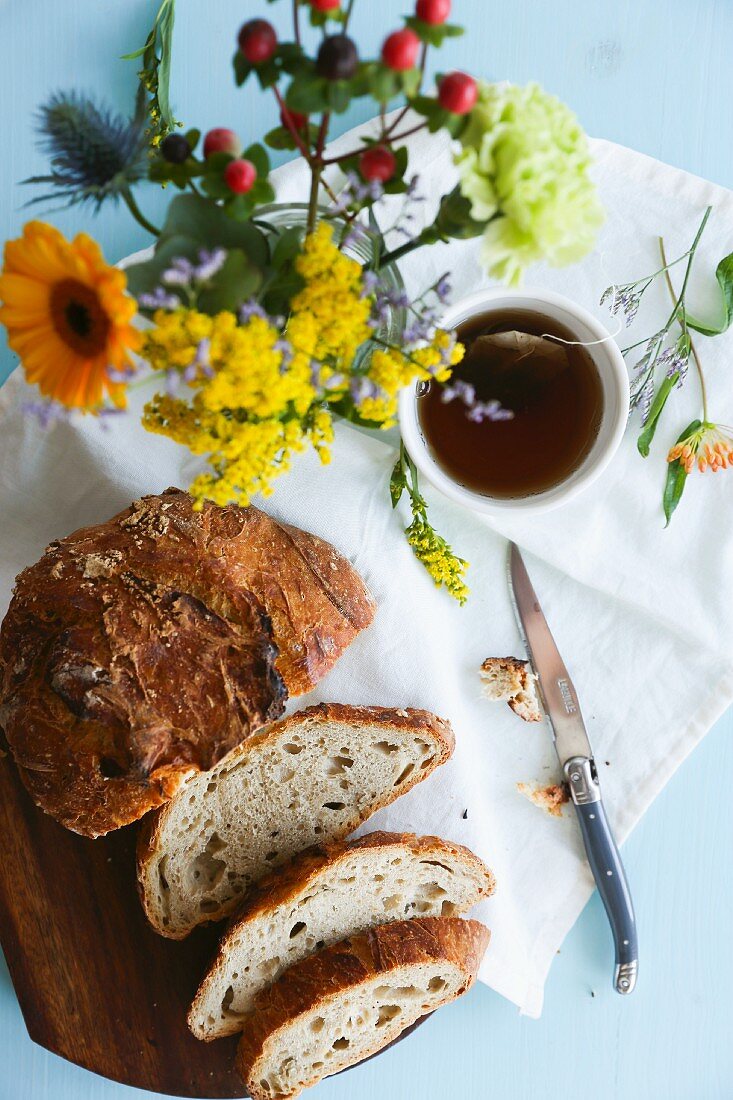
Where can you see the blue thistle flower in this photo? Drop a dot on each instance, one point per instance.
(95, 153)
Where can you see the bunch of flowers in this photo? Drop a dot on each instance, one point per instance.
(257, 336)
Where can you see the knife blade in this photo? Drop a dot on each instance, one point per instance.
(562, 708)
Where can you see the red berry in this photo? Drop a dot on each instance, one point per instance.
(257, 41)
(433, 11)
(377, 163)
(457, 93)
(290, 118)
(325, 5)
(221, 140)
(239, 176)
(400, 50)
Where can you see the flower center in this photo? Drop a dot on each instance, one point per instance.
(78, 317)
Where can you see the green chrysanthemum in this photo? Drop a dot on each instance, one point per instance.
(524, 168)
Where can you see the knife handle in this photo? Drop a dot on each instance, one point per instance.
(608, 871)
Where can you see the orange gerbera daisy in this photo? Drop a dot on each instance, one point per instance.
(68, 316)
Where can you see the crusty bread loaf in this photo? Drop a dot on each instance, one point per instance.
(140, 651)
(511, 680)
(337, 1007)
(325, 895)
(310, 778)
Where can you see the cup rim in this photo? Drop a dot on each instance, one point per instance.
(601, 453)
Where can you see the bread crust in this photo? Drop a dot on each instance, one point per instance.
(140, 651)
(295, 878)
(346, 965)
(150, 835)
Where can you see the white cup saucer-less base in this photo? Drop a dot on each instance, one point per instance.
(614, 381)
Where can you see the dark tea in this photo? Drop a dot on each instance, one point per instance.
(552, 389)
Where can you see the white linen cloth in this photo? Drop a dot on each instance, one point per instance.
(642, 615)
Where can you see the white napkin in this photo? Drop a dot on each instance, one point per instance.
(643, 616)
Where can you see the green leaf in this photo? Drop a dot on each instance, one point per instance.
(280, 138)
(192, 137)
(674, 488)
(338, 95)
(258, 155)
(208, 224)
(287, 246)
(724, 275)
(454, 217)
(308, 92)
(235, 281)
(154, 89)
(643, 443)
(397, 482)
(242, 68)
(431, 33)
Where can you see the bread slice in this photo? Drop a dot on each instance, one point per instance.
(510, 680)
(310, 778)
(337, 1007)
(324, 895)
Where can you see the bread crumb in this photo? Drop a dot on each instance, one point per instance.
(511, 680)
(551, 798)
(101, 565)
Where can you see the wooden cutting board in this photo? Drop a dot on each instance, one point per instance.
(95, 984)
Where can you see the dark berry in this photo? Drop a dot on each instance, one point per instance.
(457, 93)
(400, 50)
(239, 176)
(175, 149)
(290, 118)
(221, 140)
(433, 11)
(377, 163)
(337, 58)
(325, 5)
(257, 41)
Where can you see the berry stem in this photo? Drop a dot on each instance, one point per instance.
(347, 14)
(296, 20)
(395, 123)
(137, 212)
(317, 164)
(355, 152)
(290, 125)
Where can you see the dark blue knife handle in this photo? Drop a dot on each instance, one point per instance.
(608, 871)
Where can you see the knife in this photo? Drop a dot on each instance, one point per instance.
(562, 710)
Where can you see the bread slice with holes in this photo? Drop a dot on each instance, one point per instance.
(310, 778)
(323, 896)
(343, 1004)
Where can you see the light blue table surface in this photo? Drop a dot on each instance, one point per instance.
(652, 74)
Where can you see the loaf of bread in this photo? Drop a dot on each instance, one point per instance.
(325, 895)
(350, 1000)
(141, 651)
(310, 778)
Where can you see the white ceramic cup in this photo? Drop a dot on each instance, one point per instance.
(614, 380)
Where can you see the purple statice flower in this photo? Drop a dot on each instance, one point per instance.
(180, 273)
(645, 398)
(159, 299)
(210, 262)
(286, 351)
(46, 411)
(370, 282)
(108, 413)
(356, 233)
(362, 388)
(443, 289)
(476, 411)
(123, 375)
(251, 309)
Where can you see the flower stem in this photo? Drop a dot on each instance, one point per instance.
(316, 170)
(137, 212)
(693, 350)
